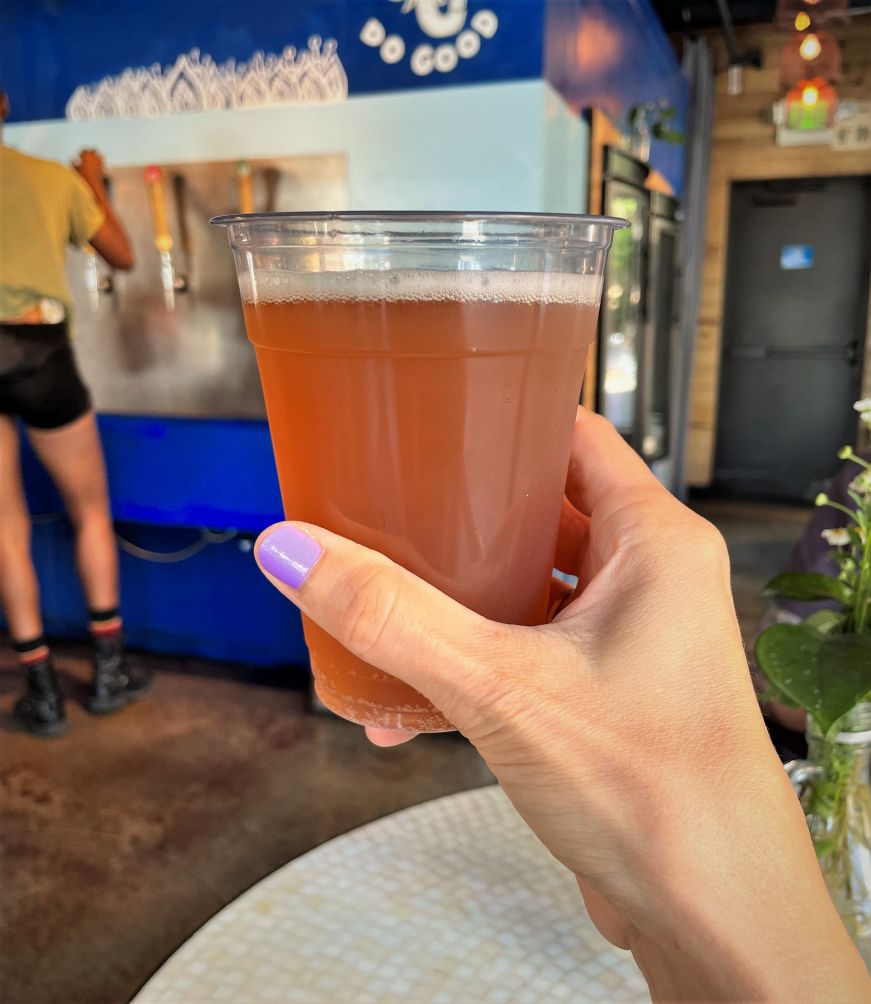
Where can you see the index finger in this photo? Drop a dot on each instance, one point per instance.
(381, 612)
(387, 737)
(602, 464)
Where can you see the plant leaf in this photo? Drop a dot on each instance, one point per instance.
(809, 586)
(775, 695)
(825, 621)
(826, 674)
(667, 135)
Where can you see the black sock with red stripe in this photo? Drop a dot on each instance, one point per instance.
(32, 650)
(105, 625)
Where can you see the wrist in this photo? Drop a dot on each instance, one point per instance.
(804, 960)
(733, 910)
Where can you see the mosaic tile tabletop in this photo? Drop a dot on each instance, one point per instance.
(450, 902)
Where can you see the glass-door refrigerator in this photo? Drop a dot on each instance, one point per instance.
(623, 315)
(656, 385)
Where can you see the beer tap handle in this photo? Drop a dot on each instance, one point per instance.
(179, 190)
(246, 193)
(162, 236)
(92, 277)
(271, 179)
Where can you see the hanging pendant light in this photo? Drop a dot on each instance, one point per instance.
(816, 11)
(810, 47)
(813, 54)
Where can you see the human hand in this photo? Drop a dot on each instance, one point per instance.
(92, 168)
(625, 732)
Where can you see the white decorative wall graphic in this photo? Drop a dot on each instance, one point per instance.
(195, 82)
(441, 19)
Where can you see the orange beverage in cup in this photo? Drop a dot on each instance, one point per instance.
(426, 413)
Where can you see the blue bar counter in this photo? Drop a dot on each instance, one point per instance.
(171, 481)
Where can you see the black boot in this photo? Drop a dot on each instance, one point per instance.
(41, 710)
(115, 684)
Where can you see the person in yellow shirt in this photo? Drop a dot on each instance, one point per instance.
(44, 207)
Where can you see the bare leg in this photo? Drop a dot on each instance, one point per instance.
(19, 590)
(74, 458)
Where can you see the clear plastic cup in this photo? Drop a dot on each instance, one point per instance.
(421, 374)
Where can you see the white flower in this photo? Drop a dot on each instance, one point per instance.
(861, 484)
(864, 409)
(838, 537)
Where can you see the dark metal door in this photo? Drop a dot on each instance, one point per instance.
(793, 333)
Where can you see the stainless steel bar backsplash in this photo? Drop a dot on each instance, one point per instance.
(140, 357)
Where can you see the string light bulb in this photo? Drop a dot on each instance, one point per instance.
(802, 21)
(810, 47)
(810, 95)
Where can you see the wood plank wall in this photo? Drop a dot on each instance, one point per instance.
(744, 149)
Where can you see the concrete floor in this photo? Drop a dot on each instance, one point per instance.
(118, 841)
(760, 538)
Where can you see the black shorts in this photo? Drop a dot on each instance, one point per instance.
(44, 388)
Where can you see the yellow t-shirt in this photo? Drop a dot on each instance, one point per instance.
(44, 206)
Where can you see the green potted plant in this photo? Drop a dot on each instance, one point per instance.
(651, 120)
(823, 665)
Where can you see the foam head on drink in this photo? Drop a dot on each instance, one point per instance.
(427, 415)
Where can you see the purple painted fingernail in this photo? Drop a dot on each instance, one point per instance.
(289, 554)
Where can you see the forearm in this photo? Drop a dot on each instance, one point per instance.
(746, 915)
(111, 217)
(111, 240)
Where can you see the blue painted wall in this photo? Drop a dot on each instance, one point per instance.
(49, 47)
(609, 54)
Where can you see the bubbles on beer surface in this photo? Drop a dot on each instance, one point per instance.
(420, 285)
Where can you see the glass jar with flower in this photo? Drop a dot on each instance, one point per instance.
(823, 665)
